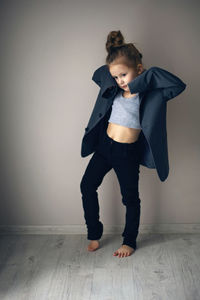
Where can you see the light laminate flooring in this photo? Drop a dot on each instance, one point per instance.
(165, 267)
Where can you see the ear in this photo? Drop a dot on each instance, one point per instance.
(140, 69)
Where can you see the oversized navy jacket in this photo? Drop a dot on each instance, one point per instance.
(155, 87)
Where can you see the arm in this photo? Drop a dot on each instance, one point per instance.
(157, 78)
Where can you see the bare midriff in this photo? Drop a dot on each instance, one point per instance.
(122, 134)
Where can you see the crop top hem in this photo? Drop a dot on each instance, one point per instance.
(125, 125)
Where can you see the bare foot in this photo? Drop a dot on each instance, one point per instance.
(93, 245)
(124, 251)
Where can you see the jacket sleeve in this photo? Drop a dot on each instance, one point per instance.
(157, 78)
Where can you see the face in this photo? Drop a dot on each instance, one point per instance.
(124, 74)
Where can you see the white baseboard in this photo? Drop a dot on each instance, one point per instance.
(108, 229)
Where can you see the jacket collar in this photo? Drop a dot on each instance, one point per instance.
(105, 81)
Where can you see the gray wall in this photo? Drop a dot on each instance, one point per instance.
(49, 51)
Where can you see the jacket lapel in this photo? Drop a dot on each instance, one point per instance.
(141, 96)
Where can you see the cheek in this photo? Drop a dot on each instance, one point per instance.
(129, 78)
(132, 77)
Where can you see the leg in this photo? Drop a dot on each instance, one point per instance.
(127, 171)
(97, 168)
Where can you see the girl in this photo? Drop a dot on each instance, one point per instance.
(117, 148)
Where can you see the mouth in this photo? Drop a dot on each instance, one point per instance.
(124, 86)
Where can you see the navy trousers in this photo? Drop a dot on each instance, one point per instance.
(124, 159)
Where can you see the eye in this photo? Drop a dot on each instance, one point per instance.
(122, 75)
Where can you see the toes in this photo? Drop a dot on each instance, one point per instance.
(124, 254)
(121, 254)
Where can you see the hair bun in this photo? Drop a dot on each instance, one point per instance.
(120, 52)
(114, 39)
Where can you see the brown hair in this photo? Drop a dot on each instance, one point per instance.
(121, 52)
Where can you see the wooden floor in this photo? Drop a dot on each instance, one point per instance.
(165, 266)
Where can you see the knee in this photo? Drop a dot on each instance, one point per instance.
(86, 185)
(83, 184)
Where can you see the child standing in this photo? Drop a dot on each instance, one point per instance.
(118, 147)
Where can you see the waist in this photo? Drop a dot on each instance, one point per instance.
(118, 143)
(122, 134)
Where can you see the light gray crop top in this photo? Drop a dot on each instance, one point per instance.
(125, 111)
